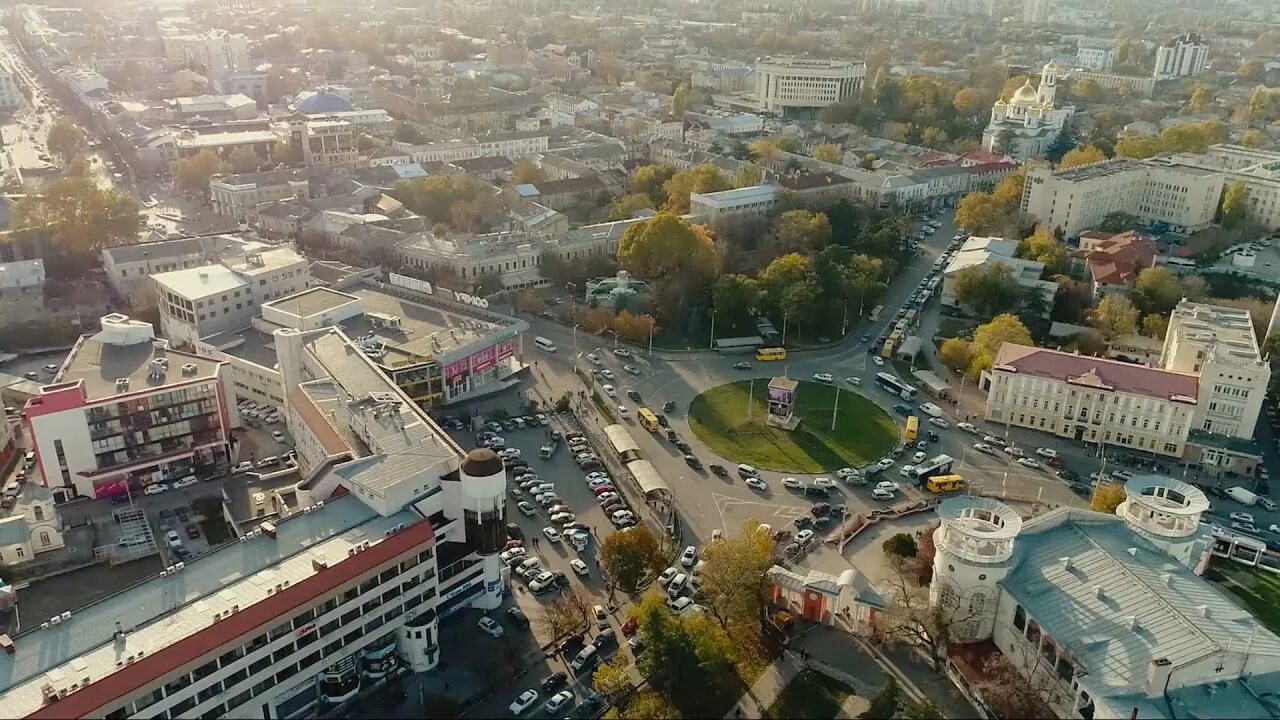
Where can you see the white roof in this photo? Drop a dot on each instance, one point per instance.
(648, 479)
(201, 282)
(621, 440)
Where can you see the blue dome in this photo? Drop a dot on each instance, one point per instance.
(321, 101)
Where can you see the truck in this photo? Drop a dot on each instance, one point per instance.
(549, 448)
(1245, 497)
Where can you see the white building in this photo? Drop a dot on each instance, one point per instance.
(1028, 124)
(83, 80)
(792, 83)
(728, 207)
(225, 296)
(1096, 54)
(1102, 613)
(10, 96)
(1092, 400)
(395, 530)
(513, 145)
(1257, 169)
(239, 195)
(129, 267)
(1077, 199)
(986, 252)
(30, 527)
(125, 411)
(565, 109)
(1036, 12)
(1183, 56)
(217, 52)
(1217, 344)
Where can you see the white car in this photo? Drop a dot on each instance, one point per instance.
(680, 604)
(939, 422)
(994, 440)
(558, 702)
(622, 352)
(622, 516)
(906, 470)
(983, 447)
(1047, 452)
(277, 436)
(885, 463)
(879, 494)
(968, 427)
(1242, 517)
(609, 390)
(526, 508)
(1013, 451)
(509, 453)
(187, 481)
(607, 374)
(631, 369)
(804, 535)
(595, 359)
(792, 484)
(1028, 462)
(552, 534)
(597, 475)
(507, 556)
(490, 626)
(542, 581)
(889, 485)
(756, 483)
(623, 412)
(155, 489)
(846, 472)
(919, 458)
(879, 361)
(667, 576)
(579, 566)
(523, 702)
(825, 482)
(824, 378)
(689, 556)
(242, 467)
(854, 381)
(562, 518)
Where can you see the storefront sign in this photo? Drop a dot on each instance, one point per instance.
(471, 300)
(483, 360)
(505, 350)
(454, 369)
(405, 281)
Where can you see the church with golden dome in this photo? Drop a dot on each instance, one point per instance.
(1027, 125)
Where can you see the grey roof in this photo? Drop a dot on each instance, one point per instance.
(170, 248)
(1179, 615)
(13, 530)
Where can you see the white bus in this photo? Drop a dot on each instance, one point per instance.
(545, 344)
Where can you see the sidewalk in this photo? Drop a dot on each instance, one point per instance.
(766, 690)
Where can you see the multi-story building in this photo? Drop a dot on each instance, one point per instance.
(1092, 400)
(215, 108)
(83, 81)
(445, 151)
(722, 210)
(513, 145)
(1036, 12)
(1182, 56)
(129, 267)
(1112, 261)
(217, 52)
(10, 97)
(1096, 53)
(1074, 200)
(436, 349)
(1217, 344)
(238, 196)
(395, 530)
(565, 109)
(792, 83)
(125, 411)
(21, 291)
(1258, 170)
(225, 296)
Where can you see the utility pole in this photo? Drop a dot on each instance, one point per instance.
(835, 410)
(650, 339)
(713, 329)
(751, 394)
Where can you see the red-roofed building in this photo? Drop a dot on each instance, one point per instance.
(1112, 261)
(984, 176)
(1093, 400)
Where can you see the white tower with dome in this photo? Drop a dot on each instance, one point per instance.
(974, 545)
(1166, 512)
(1029, 123)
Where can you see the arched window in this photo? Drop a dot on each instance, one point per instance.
(39, 512)
(949, 598)
(978, 604)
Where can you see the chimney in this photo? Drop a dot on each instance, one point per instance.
(268, 529)
(1158, 672)
(6, 644)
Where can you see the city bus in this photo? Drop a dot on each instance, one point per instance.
(648, 420)
(771, 353)
(933, 467)
(890, 383)
(945, 483)
(913, 430)
(875, 312)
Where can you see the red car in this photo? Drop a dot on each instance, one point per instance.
(629, 627)
(602, 489)
(513, 544)
(1053, 462)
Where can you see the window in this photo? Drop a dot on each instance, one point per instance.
(1020, 618)
(1033, 632)
(263, 663)
(44, 538)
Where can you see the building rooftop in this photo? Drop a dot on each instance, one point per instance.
(170, 620)
(178, 247)
(1097, 170)
(737, 197)
(311, 302)
(1097, 372)
(424, 331)
(193, 140)
(100, 361)
(1226, 332)
(199, 282)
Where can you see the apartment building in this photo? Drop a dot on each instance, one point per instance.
(125, 411)
(129, 267)
(396, 529)
(1092, 400)
(1182, 56)
(10, 97)
(1258, 170)
(513, 145)
(565, 109)
(218, 51)
(238, 196)
(793, 83)
(328, 143)
(1217, 344)
(200, 301)
(1096, 53)
(1073, 200)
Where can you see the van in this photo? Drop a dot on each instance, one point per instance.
(746, 471)
(544, 344)
(931, 410)
(584, 659)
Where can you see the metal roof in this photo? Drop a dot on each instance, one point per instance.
(647, 477)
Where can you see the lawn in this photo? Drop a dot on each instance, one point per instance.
(809, 695)
(1259, 590)
(863, 432)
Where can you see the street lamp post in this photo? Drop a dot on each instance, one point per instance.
(713, 329)
(784, 329)
(844, 322)
(575, 346)
(651, 339)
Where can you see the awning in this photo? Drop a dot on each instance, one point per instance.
(621, 440)
(648, 479)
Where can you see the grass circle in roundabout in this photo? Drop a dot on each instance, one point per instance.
(863, 432)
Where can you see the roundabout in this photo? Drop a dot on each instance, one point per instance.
(731, 420)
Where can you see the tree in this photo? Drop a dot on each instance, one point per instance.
(1194, 287)
(683, 656)
(1063, 143)
(955, 353)
(1263, 104)
(1011, 86)
(1138, 147)
(733, 577)
(979, 214)
(628, 557)
(1088, 91)
(565, 614)
(988, 339)
(926, 549)
(1119, 221)
(625, 207)
(748, 175)
(409, 133)
(902, 545)
(77, 216)
(801, 231)
(66, 140)
(765, 149)
(527, 171)
(666, 246)
(967, 102)
(699, 179)
(243, 160)
(1201, 99)
(1014, 692)
(790, 286)
(827, 153)
(1043, 247)
(987, 289)
(1155, 326)
(1156, 291)
(1115, 315)
(1234, 204)
(1253, 139)
(647, 705)
(612, 680)
(651, 179)
(194, 173)
(1089, 342)
(886, 703)
(1082, 156)
(910, 617)
(1251, 70)
(680, 101)
(734, 298)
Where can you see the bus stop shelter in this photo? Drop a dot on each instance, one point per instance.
(622, 443)
(933, 384)
(650, 482)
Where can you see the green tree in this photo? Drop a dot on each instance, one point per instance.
(979, 214)
(1043, 247)
(988, 338)
(1263, 104)
(683, 656)
(827, 153)
(901, 545)
(409, 133)
(680, 101)
(987, 289)
(193, 173)
(242, 160)
(1071, 300)
(1082, 156)
(765, 149)
(1088, 91)
(801, 231)
(1201, 99)
(734, 298)
(733, 581)
(1063, 143)
(699, 179)
(1138, 147)
(1234, 204)
(66, 139)
(665, 246)
(1156, 291)
(651, 179)
(788, 283)
(611, 680)
(631, 556)
(748, 175)
(1115, 315)
(627, 206)
(886, 703)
